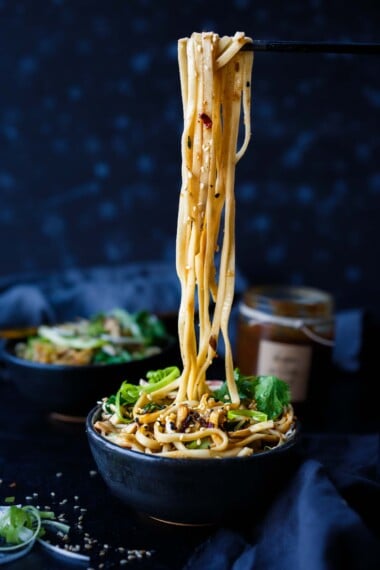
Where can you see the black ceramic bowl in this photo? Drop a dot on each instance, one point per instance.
(74, 390)
(192, 491)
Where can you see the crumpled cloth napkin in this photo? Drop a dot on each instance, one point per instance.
(36, 299)
(324, 519)
(33, 299)
(24, 306)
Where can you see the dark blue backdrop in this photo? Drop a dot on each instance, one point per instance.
(90, 120)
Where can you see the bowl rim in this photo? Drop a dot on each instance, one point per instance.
(8, 355)
(106, 444)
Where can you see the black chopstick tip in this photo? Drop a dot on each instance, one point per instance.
(364, 48)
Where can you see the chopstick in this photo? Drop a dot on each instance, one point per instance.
(313, 47)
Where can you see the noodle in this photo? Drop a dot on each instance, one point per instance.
(184, 419)
(211, 95)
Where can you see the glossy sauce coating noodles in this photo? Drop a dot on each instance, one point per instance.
(181, 417)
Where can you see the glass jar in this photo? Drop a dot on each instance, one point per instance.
(287, 332)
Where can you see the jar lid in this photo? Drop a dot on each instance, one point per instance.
(289, 301)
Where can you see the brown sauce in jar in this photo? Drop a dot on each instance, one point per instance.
(287, 332)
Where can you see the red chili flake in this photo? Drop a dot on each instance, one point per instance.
(212, 342)
(206, 120)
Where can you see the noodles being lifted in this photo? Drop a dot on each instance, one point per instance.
(214, 75)
(179, 415)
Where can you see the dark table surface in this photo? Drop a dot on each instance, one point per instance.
(44, 461)
(50, 462)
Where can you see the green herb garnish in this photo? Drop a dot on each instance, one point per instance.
(128, 394)
(244, 414)
(204, 443)
(22, 526)
(270, 393)
(244, 385)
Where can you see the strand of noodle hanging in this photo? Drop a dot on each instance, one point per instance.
(188, 87)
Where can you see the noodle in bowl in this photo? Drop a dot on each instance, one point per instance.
(156, 423)
(193, 492)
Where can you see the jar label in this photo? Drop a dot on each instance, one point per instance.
(289, 362)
